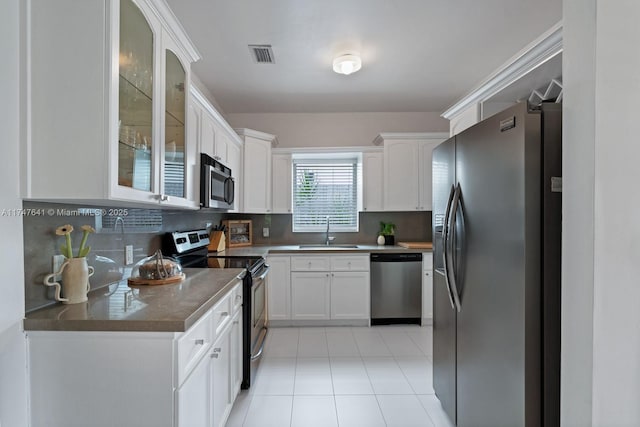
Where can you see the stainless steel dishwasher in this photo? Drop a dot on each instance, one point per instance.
(396, 288)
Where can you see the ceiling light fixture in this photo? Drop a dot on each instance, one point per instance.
(347, 64)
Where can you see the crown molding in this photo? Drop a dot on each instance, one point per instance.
(258, 135)
(542, 49)
(204, 102)
(409, 135)
(175, 29)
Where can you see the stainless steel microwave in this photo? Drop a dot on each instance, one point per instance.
(217, 188)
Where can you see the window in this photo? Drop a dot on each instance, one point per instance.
(325, 188)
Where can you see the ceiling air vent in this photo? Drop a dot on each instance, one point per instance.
(262, 53)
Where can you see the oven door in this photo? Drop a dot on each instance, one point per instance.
(258, 323)
(258, 311)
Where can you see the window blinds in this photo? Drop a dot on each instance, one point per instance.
(325, 188)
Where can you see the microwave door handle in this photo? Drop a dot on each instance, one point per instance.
(228, 190)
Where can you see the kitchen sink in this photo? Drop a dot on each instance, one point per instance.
(328, 246)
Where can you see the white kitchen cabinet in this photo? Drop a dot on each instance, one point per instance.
(425, 151)
(350, 295)
(110, 128)
(310, 295)
(194, 397)
(281, 183)
(332, 287)
(153, 379)
(213, 136)
(220, 379)
(256, 159)
(279, 288)
(235, 359)
(372, 181)
(427, 288)
(407, 170)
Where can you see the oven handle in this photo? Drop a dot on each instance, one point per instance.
(266, 269)
(259, 353)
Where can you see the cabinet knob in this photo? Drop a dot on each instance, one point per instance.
(327, 274)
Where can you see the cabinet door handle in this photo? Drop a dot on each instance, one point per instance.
(199, 342)
(217, 349)
(214, 355)
(224, 313)
(236, 322)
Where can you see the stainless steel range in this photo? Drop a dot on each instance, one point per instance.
(190, 249)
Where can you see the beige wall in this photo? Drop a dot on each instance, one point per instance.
(336, 129)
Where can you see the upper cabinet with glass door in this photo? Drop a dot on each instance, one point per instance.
(108, 119)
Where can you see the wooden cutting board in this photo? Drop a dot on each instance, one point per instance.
(416, 245)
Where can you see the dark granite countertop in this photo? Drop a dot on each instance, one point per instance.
(156, 308)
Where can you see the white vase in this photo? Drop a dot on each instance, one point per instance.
(75, 281)
(380, 240)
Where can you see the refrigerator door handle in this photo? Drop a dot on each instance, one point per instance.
(455, 204)
(445, 233)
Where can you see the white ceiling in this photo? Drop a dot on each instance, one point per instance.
(417, 55)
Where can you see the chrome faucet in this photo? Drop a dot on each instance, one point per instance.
(328, 239)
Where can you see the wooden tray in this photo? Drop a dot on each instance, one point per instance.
(140, 281)
(416, 245)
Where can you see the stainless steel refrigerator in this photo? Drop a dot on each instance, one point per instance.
(496, 293)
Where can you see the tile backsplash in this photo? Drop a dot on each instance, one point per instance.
(410, 226)
(143, 228)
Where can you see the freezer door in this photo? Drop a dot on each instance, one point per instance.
(444, 315)
(498, 336)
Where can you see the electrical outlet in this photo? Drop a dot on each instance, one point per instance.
(265, 232)
(128, 254)
(56, 263)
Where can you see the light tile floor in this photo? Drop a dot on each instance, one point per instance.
(343, 377)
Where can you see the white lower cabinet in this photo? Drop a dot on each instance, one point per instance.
(235, 361)
(310, 296)
(153, 379)
(220, 379)
(194, 397)
(350, 295)
(427, 288)
(330, 287)
(279, 288)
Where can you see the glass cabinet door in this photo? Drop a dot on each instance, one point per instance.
(174, 133)
(135, 99)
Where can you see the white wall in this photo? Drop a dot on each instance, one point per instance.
(13, 394)
(336, 129)
(601, 230)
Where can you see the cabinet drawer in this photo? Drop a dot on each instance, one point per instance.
(310, 263)
(222, 313)
(193, 344)
(236, 298)
(427, 261)
(350, 263)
